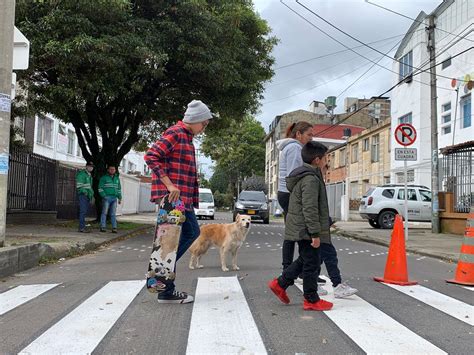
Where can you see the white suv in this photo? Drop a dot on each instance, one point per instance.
(380, 204)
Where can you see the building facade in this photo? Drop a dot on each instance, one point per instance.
(411, 100)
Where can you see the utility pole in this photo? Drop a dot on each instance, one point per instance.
(435, 228)
(7, 23)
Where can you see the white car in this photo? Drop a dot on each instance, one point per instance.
(206, 204)
(380, 204)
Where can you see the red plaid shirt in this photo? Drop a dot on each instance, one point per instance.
(173, 156)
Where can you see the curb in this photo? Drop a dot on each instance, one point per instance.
(15, 259)
(387, 244)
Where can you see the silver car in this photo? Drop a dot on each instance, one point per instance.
(380, 204)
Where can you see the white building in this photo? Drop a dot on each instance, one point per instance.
(411, 100)
(57, 140)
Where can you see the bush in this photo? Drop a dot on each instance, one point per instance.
(223, 200)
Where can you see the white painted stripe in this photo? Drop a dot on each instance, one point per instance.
(82, 330)
(451, 306)
(371, 329)
(221, 322)
(468, 288)
(20, 295)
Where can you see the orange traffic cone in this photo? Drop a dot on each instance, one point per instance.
(396, 266)
(465, 270)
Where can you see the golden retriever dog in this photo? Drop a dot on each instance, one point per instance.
(228, 237)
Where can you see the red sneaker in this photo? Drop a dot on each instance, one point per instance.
(321, 305)
(278, 291)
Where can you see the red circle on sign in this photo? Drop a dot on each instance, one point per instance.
(407, 139)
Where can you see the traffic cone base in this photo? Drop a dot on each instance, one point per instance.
(396, 267)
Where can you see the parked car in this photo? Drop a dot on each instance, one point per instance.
(380, 204)
(206, 204)
(254, 204)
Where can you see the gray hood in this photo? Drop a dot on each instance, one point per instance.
(282, 143)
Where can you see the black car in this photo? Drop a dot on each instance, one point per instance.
(254, 204)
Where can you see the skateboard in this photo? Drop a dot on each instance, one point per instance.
(161, 268)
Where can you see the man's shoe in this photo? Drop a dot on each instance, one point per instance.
(343, 290)
(114, 230)
(321, 281)
(103, 230)
(279, 291)
(85, 230)
(321, 305)
(299, 281)
(175, 297)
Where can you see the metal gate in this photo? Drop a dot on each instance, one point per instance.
(335, 192)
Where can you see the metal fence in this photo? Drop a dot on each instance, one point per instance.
(457, 176)
(31, 182)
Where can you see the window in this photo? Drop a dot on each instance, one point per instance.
(388, 193)
(401, 177)
(425, 195)
(45, 131)
(342, 157)
(386, 179)
(375, 148)
(71, 138)
(406, 65)
(446, 63)
(405, 118)
(446, 130)
(446, 118)
(355, 153)
(446, 107)
(366, 145)
(410, 175)
(411, 195)
(466, 111)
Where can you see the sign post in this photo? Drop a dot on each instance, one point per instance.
(405, 135)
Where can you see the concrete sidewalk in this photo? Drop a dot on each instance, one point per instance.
(420, 239)
(28, 245)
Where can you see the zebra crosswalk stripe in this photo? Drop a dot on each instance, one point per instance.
(20, 295)
(374, 331)
(91, 320)
(455, 308)
(221, 322)
(468, 288)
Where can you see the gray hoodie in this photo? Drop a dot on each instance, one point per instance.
(290, 159)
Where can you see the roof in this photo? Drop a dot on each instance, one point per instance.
(334, 131)
(455, 148)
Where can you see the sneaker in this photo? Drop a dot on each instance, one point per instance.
(279, 291)
(85, 230)
(322, 291)
(343, 290)
(321, 281)
(114, 230)
(103, 230)
(321, 305)
(299, 281)
(175, 297)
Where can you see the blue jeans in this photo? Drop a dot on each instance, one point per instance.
(329, 258)
(189, 233)
(83, 209)
(109, 204)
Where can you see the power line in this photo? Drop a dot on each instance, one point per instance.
(415, 20)
(357, 40)
(316, 72)
(386, 92)
(338, 52)
(344, 45)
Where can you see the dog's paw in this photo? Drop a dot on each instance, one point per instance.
(191, 267)
(200, 266)
(225, 269)
(235, 267)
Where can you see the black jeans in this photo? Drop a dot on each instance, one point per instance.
(329, 258)
(288, 249)
(310, 264)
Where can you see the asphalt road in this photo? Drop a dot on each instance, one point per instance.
(81, 308)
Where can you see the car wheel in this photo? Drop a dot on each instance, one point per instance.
(373, 223)
(266, 221)
(387, 219)
(212, 217)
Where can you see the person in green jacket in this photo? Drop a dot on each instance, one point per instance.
(111, 193)
(307, 223)
(85, 194)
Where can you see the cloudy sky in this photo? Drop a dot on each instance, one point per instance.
(295, 86)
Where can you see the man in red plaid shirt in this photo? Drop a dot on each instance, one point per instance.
(173, 162)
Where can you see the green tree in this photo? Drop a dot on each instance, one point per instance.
(122, 70)
(238, 149)
(219, 180)
(255, 183)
